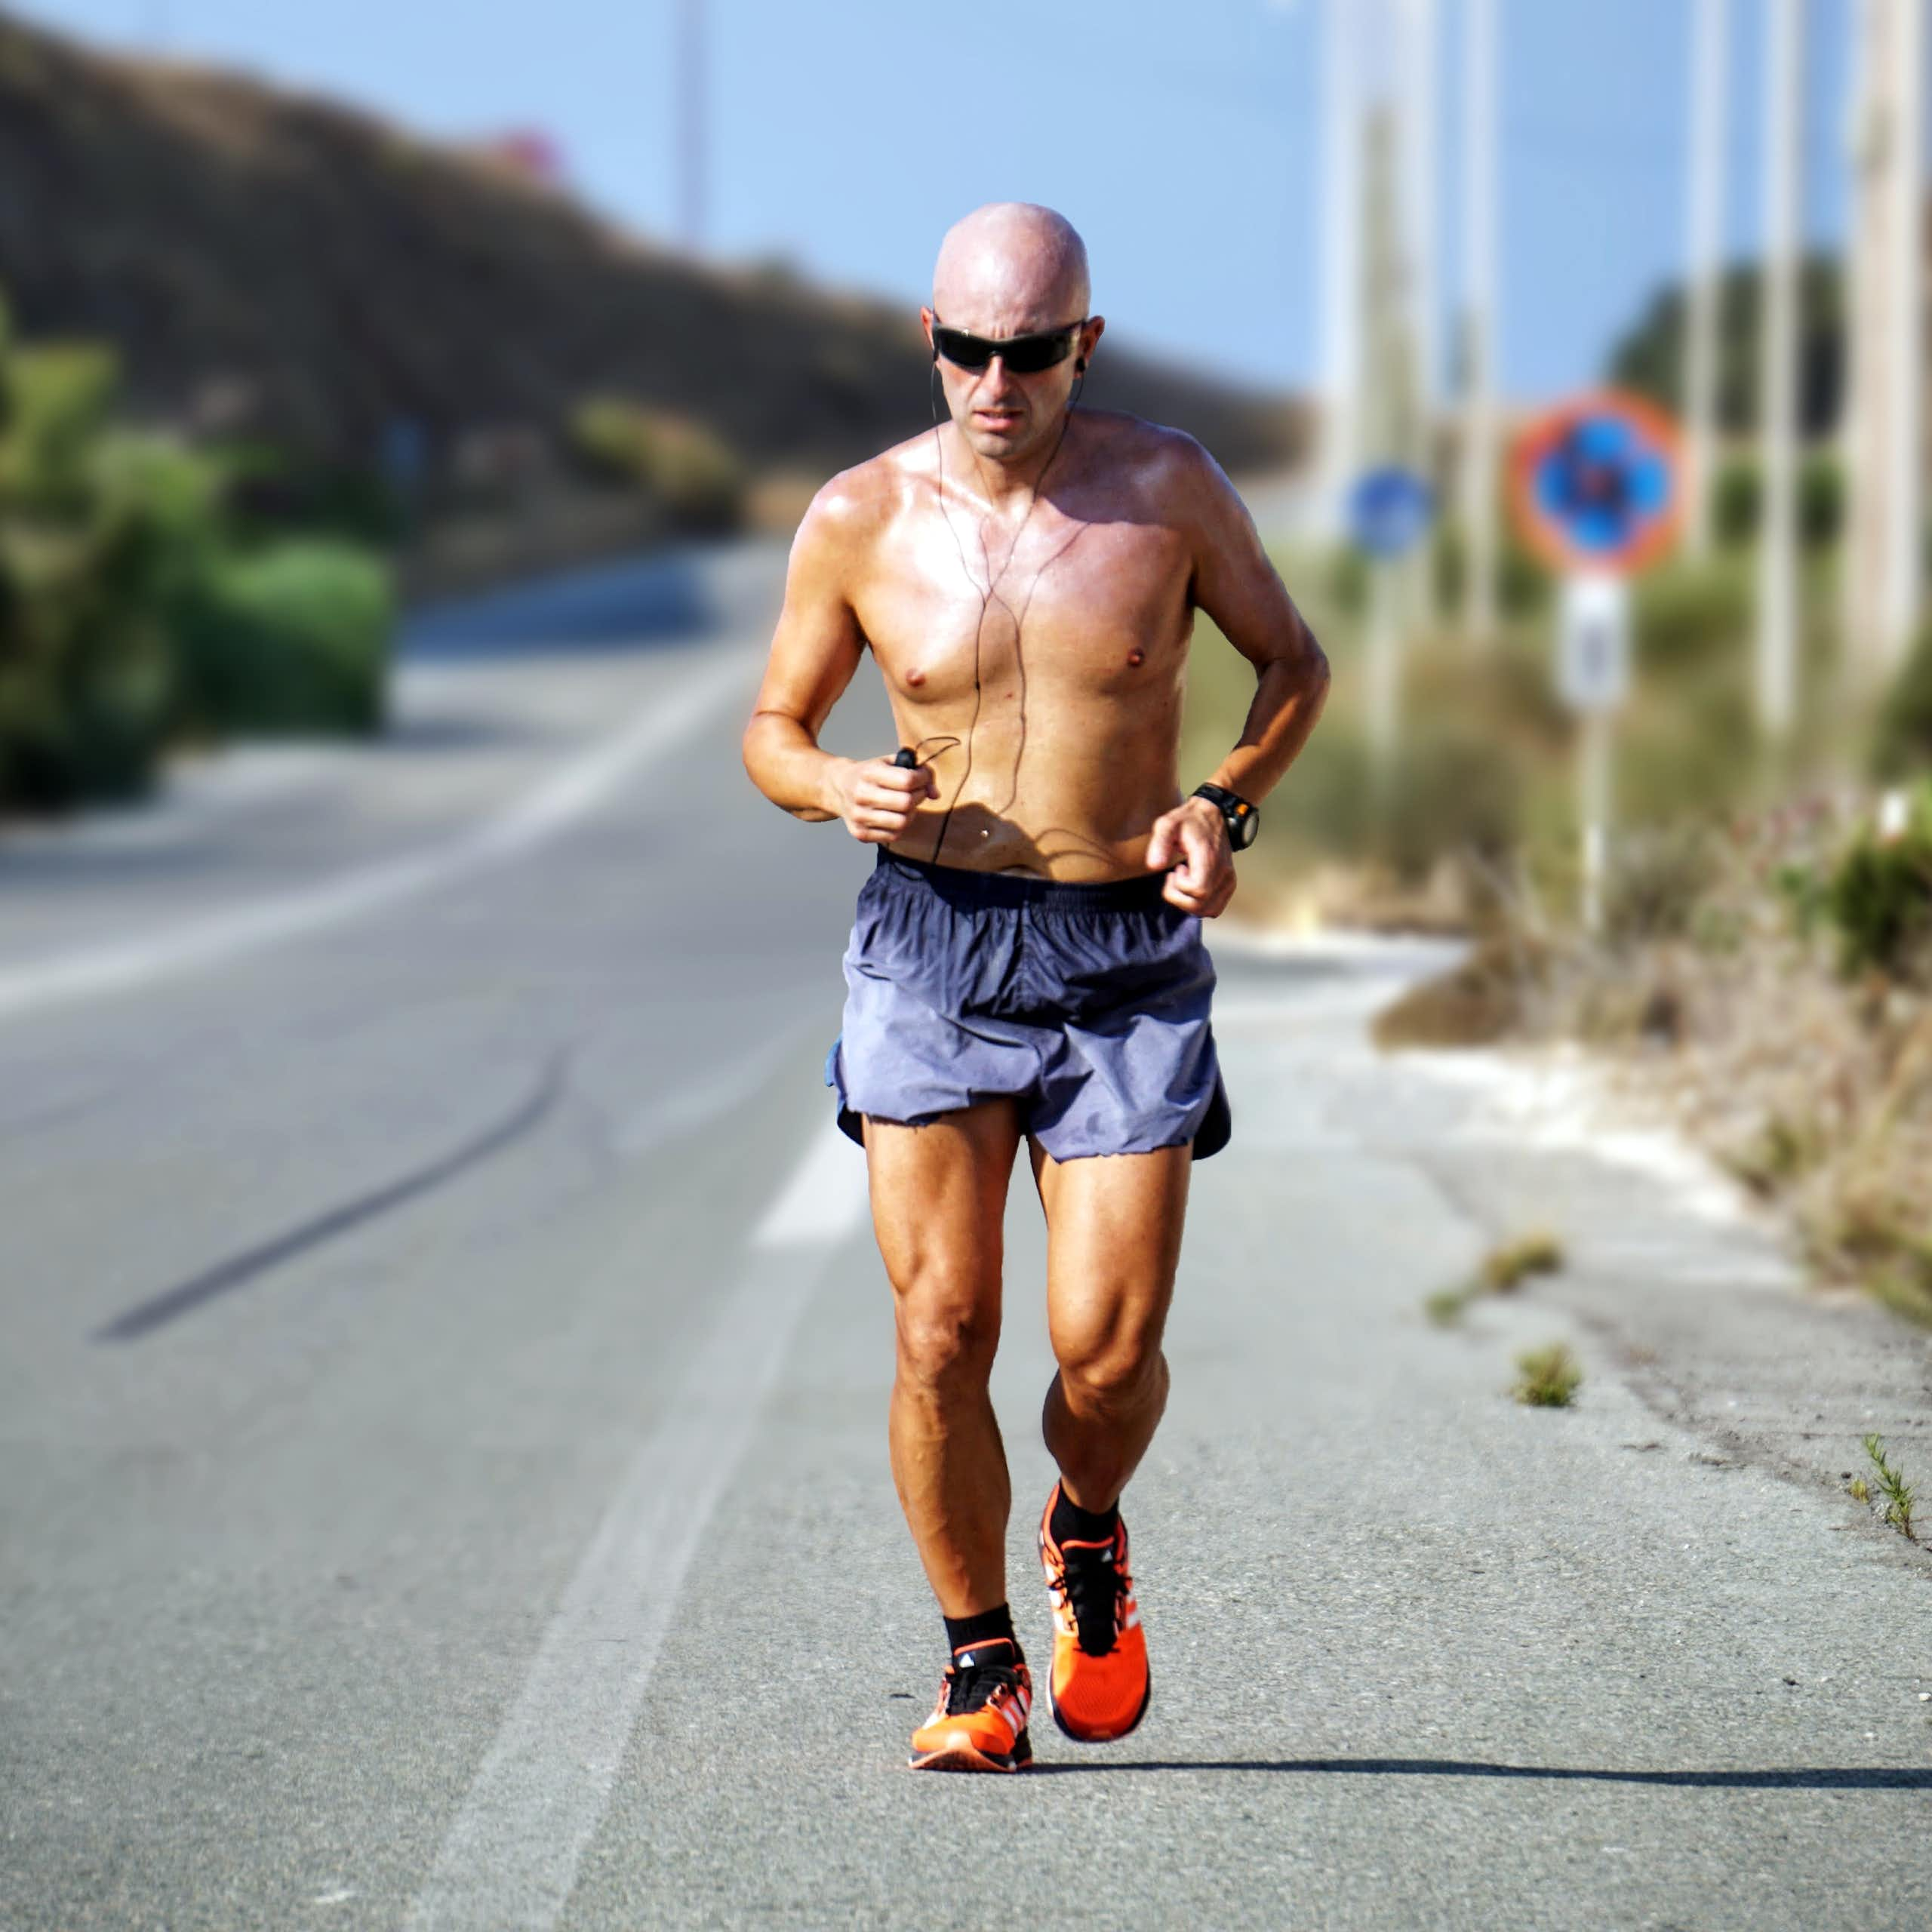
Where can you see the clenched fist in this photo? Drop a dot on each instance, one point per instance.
(1190, 845)
(876, 798)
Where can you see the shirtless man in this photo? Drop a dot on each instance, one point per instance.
(1027, 963)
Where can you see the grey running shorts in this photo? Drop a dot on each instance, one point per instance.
(1086, 1004)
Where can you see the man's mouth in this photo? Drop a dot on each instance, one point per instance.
(998, 419)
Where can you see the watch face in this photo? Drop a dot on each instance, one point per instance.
(1242, 825)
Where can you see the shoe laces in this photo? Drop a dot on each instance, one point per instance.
(1096, 1585)
(973, 1686)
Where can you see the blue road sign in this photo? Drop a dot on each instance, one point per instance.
(1388, 510)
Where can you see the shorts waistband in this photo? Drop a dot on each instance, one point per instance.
(958, 885)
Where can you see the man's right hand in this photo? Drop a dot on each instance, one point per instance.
(876, 798)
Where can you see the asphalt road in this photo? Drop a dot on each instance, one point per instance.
(442, 1474)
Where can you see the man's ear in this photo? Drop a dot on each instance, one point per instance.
(927, 318)
(1089, 336)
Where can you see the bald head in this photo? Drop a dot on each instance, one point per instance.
(1010, 269)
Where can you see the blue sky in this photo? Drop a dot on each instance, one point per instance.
(1181, 135)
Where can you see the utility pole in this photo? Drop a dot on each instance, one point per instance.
(692, 131)
(1341, 189)
(1417, 20)
(1883, 428)
(1708, 61)
(1777, 553)
(1904, 565)
(1479, 325)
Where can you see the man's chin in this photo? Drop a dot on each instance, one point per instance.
(1001, 444)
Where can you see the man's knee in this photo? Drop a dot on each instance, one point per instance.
(948, 1331)
(1115, 1372)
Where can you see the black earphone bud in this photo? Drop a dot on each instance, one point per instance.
(1080, 365)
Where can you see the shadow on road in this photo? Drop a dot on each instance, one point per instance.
(1822, 1777)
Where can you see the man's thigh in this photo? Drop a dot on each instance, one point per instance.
(939, 1198)
(1113, 1242)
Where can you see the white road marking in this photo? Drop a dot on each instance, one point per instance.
(703, 1099)
(825, 1199)
(561, 799)
(510, 1856)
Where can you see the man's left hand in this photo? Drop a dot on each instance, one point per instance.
(1194, 835)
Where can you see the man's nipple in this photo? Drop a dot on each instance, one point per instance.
(1137, 658)
(916, 677)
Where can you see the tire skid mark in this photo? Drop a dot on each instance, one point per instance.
(238, 1270)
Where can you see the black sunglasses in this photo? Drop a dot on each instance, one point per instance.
(1023, 354)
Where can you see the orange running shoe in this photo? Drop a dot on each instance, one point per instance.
(980, 1722)
(1098, 1687)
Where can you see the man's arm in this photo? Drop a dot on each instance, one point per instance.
(814, 651)
(1236, 586)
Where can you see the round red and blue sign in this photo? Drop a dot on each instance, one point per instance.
(1594, 484)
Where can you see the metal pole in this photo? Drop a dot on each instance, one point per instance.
(1708, 62)
(1382, 674)
(1341, 232)
(1594, 805)
(1479, 259)
(1777, 556)
(1419, 84)
(1904, 324)
(690, 124)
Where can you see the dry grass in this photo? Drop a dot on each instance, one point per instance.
(1508, 1266)
(1724, 999)
(1547, 1378)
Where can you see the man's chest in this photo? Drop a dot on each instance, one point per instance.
(1092, 606)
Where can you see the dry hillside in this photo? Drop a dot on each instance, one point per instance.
(285, 264)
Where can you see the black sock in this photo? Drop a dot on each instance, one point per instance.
(987, 1626)
(1069, 1520)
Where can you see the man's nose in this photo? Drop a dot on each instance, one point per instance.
(996, 377)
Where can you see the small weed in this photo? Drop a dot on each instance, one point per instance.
(1507, 1267)
(1444, 1307)
(1897, 1490)
(1547, 1377)
(1859, 1490)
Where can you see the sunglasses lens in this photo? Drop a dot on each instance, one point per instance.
(1023, 354)
(964, 351)
(1028, 354)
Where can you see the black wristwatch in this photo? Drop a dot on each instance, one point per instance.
(1243, 819)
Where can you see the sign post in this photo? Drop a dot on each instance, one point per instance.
(1593, 674)
(1595, 490)
(1388, 513)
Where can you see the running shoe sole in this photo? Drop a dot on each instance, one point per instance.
(964, 1758)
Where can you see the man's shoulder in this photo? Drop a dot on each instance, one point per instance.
(856, 503)
(1172, 469)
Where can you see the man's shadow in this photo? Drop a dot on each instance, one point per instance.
(1820, 1777)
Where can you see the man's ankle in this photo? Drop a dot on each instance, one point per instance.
(1070, 1523)
(983, 1627)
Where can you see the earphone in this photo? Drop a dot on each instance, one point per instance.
(989, 591)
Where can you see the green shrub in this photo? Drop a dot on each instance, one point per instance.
(1737, 500)
(699, 480)
(1902, 742)
(294, 637)
(1879, 898)
(1820, 500)
(1686, 613)
(1450, 790)
(98, 531)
